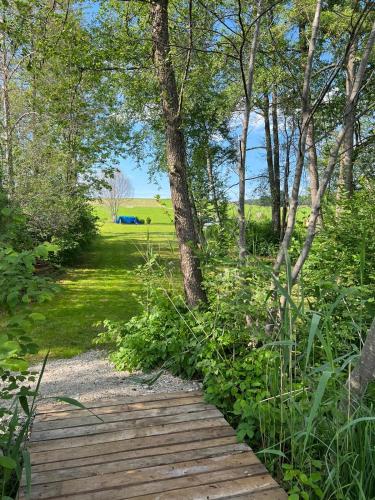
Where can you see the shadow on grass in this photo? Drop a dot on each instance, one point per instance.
(100, 287)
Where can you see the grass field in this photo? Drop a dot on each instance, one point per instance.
(100, 286)
(103, 284)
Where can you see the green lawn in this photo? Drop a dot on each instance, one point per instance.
(100, 286)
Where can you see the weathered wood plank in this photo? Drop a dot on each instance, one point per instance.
(89, 470)
(66, 423)
(220, 490)
(154, 488)
(135, 447)
(152, 478)
(93, 429)
(66, 411)
(153, 396)
(108, 437)
(273, 494)
(167, 446)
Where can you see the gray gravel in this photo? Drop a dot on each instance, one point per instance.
(90, 376)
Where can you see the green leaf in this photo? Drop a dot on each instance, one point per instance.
(315, 406)
(37, 316)
(70, 401)
(24, 404)
(6, 211)
(7, 463)
(313, 329)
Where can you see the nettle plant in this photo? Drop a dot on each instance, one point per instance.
(19, 285)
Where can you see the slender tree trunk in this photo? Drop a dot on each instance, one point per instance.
(286, 192)
(197, 221)
(313, 161)
(276, 201)
(8, 174)
(313, 167)
(270, 164)
(289, 140)
(333, 155)
(211, 181)
(364, 372)
(248, 88)
(349, 124)
(345, 180)
(305, 102)
(176, 155)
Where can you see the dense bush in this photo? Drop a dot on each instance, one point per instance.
(285, 394)
(18, 285)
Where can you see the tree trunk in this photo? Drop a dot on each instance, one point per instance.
(211, 181)
(332, 158)
(276, 202)
(197, 221)
(176, 155)
(313, 167)
(364, 372)
(269, 157)
(8, 174)
(305, 103)
(289, 140)
(348, 142)
(313, 161)
(248, 88)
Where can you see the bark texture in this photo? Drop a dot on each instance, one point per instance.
(212, 184)
(248, 88)
(273, 163)
(275, 189)
(364, 372)
(313, 161)
(333, 156)
(176, 155)
(6, 177)
(346, 165)
(305, 118)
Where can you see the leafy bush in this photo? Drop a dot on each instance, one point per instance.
(18, 285)
(81, 229)
(285, 395)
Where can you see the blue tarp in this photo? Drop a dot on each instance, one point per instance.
(127, 219)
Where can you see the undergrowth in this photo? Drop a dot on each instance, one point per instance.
(284, 392)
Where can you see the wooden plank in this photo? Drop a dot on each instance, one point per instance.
(153, 396)
(138, 446)
(116, 408)
(220, 490)
(89, 470)
(134, 454)
(153, 476)
(273, 494)
(259, 481)
(93, 429)
(107, 437)
(63, 423)
(167, 446)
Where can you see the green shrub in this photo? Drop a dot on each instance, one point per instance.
(18, 286)
(285, 395)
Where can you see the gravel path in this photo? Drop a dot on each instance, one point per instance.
(91, 376)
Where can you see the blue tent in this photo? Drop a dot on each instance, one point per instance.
(127, 219)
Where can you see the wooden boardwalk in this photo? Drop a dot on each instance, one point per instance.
(159, 446)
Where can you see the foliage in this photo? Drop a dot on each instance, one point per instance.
(19, 286)
(284, 394)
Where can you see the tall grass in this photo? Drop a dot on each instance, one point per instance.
(323, 440)
(287, 393)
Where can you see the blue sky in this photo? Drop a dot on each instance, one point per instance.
(143, 188)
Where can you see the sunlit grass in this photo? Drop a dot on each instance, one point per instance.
(103, 283)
